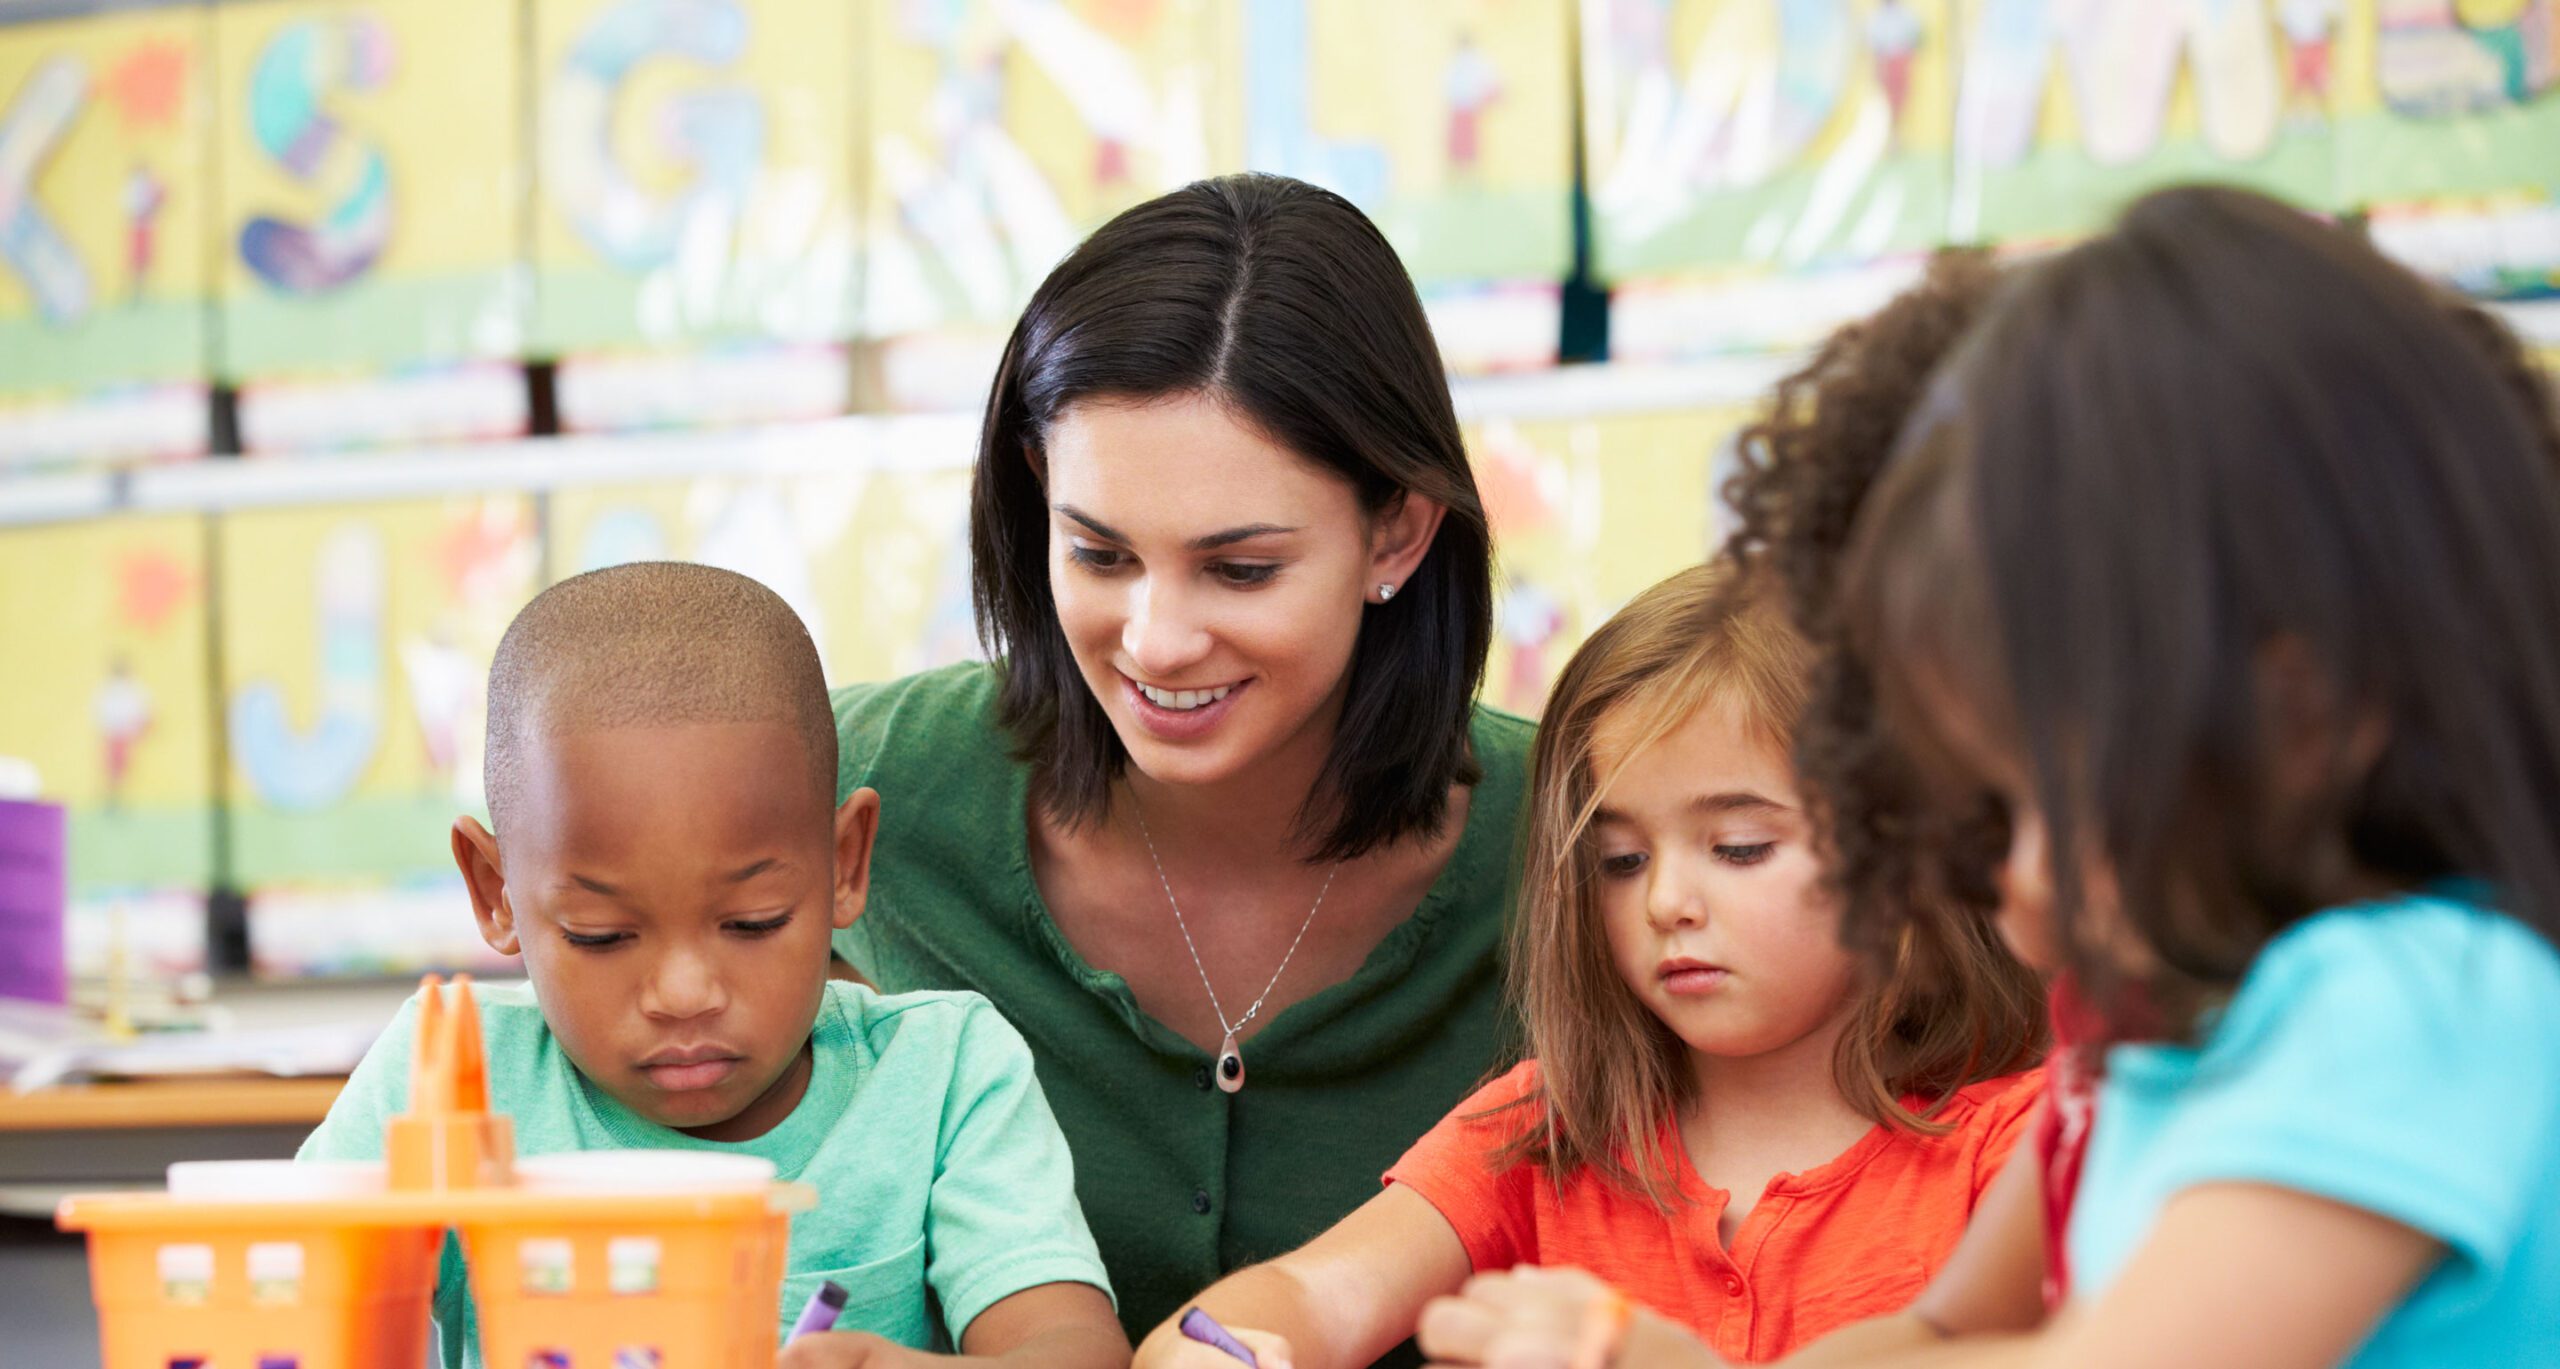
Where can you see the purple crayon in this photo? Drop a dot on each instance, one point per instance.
(1202, 1327)
(821, 1312)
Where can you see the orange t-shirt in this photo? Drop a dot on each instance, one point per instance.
(1852, 1238)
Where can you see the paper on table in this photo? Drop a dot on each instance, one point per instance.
(36, 1053)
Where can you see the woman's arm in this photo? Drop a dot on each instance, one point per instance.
(1342, 1299)
(2235, 1276)
(1048, 1326)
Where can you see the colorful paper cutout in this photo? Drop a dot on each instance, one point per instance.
(356, 647)
(104, 199)
(2066, 111)
(1725, 132)
(695, 163)
(109, 620)
(999, 134)
(1586, 513)
(2441, 99)
(1448, 122)
(372, 173)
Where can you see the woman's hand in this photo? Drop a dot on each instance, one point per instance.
(1178, 1352)
(1533, 1318)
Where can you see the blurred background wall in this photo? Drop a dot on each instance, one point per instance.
(331, 330)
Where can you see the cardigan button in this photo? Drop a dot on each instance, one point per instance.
(1200, 1077)
(1200, 1201)
(1733, 1285)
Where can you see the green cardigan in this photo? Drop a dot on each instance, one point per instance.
(1180, 1182)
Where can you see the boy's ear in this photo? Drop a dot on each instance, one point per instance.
(857, 823)
(476, 851)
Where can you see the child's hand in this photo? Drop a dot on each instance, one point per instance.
(1181, 1352)
(1533, 1318)
(849, 1350)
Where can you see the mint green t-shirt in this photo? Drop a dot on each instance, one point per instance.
(943, 1183)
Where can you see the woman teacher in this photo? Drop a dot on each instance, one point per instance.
(1223, 830)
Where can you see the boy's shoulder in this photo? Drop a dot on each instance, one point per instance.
(951, 1025)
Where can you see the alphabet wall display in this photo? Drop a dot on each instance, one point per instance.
(373, 177)
(104, 204)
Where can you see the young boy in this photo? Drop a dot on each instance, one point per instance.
(670, 862)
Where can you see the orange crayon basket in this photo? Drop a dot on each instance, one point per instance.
(337, 1274)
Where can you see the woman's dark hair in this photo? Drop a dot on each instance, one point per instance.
(2246, 543)
(1286, 305)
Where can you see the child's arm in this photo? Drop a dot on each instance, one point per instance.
(1993, 1282)
(1051, 1326)
(2235, 1276)
(1344, 1298)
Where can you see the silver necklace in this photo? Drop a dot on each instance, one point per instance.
(1230, 1058)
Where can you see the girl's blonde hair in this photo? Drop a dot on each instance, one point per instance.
(1948, 1005)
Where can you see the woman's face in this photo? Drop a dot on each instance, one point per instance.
(1210, 582)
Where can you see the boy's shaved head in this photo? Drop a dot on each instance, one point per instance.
(654, 644)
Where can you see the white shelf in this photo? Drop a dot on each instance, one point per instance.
(945, 441)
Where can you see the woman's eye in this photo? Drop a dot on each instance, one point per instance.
(1097, 558)
(761, 927)
(1244, 573)
(1622, 866)
(1751, 854)
(594, 941)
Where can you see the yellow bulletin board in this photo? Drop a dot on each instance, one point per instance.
(875, 564)
(103, 279)
(355, 650)
(1586, 513)
(694, 162)
(999, 135)
(373, 181)
(2448, 98)
(1448, 121)
(1724, 132)
(2064, 113)
(109, 693)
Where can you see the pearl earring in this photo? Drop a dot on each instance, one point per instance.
(1386, 592)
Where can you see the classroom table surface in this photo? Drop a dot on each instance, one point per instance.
(209, 1102)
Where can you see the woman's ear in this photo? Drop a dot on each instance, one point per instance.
(1399, 537)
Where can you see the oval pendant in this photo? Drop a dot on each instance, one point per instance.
(1230, 1065)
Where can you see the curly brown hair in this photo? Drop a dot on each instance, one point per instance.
(1898, 837)
(1802, 472)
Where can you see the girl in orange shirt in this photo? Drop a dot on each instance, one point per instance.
(1727, 1115)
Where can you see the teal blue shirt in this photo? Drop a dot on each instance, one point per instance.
(943, 1183)
(2402, 1057)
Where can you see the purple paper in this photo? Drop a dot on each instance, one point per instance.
(31, 903)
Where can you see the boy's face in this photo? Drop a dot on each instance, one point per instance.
(673, 891)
